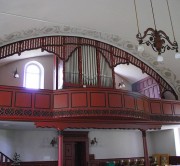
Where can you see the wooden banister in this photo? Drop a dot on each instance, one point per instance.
(5, 160)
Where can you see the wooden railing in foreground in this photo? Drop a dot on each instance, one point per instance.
(173, 160)
(5, 160)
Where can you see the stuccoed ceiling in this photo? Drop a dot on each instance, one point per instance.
(112, 22)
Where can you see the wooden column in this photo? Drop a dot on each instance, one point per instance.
(146, 157)
(60, 148)
(57, 70)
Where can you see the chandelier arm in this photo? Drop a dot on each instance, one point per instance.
(152, 46)
(167, 38)
(163, 49)
(145, 33)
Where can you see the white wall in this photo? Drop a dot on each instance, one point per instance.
(6, 71)
(163, 142)
(6, 142)
(35, 145)
(31, 145)
(116, 144)
(177, 140)
(128, 143)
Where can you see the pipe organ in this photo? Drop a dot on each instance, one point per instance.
(87, 67)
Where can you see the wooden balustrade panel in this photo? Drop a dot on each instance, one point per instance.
(146, 105)
(79, 100)
(129, 101)
(42, 101)
(23, 100)
(115, 100)
(140, 104)
(167, 108)
(5, 98)
(98, 99)
(61, 100)
(155, 107)
(176, 108)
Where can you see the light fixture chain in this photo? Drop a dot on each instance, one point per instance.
(170, 20)
(136, 16)
(153, 14)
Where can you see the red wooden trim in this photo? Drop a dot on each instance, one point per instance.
(57, 71)
(60, 149)
(146, 156)
(97, 124)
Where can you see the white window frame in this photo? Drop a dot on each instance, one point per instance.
(41, 73)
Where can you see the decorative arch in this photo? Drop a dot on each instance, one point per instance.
(63, 46)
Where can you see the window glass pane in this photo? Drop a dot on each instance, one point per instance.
(33, 69)
(32, 80)
(33, 76)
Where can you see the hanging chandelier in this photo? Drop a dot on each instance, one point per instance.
(157, 39)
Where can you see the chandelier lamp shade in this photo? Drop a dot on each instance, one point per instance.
(157, 39)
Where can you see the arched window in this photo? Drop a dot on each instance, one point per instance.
(34, 75)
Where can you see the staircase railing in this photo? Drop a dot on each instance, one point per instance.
(5, 160)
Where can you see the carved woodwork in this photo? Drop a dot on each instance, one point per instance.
(63, 46)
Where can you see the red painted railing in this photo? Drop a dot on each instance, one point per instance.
(33, 105)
